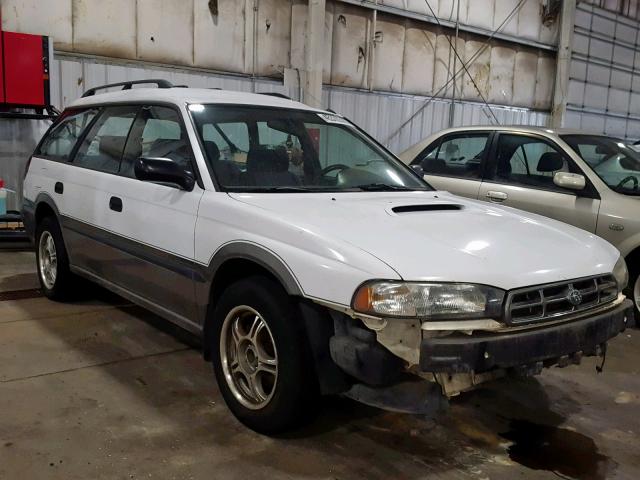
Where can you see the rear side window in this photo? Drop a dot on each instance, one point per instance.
(157, 132)
(455, 156)
(103, 146)
(60, 141)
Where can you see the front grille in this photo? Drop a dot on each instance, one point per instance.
(543, 302)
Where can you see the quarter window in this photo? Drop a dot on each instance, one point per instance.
(529, 161)
(456, 156)
(103, 146)
(63, 137)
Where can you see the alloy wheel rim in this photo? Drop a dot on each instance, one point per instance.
(249, 357)
(47, 260)
(636, 293)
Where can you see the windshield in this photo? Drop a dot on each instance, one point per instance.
(615, 163)
(262, 149)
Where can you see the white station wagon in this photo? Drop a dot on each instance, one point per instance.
(308, 258)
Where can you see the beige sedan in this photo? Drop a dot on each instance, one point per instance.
(590, 181)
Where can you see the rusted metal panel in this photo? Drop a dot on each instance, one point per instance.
(389, 53)
(419, 60)
(105, 28)
(219, 34)
(51, 17)
(479, 70)
(349, 57)
(544, 82)
(165, 31)
(501, 85)
(274, 36)
(524, 78)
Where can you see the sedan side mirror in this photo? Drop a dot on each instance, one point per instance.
(418, 169)
(164, 170)
(572, 181)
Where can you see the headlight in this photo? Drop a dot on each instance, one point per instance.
(428, 300)
(621, 273)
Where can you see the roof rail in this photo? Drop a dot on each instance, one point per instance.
(127, 85)
(275, 94)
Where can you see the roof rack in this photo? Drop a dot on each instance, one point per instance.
(275, 94)
(127, 85)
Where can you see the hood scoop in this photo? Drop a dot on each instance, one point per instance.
(433, 207)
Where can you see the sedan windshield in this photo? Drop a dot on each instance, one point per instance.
(262, 149)
(615, 163)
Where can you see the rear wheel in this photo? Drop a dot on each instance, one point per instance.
(260, 356)
(56, 280)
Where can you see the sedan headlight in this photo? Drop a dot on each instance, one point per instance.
(621, 273)
(428, 300)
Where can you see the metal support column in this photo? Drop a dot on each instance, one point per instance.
(563, 63)
(314, 54)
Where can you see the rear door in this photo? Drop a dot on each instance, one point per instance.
(86, 189)
(520, 174)
(455, 162)
(154, 223)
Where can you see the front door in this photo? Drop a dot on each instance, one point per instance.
(155, 223)
(455, 162)
(521, 174)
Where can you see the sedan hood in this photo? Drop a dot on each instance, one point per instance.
(437, 236)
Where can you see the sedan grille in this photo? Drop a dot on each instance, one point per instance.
(543, 302)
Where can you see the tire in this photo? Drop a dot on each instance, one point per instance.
(56, 280)
(633, 292)
(278, 398)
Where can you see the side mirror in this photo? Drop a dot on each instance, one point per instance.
(418, 169)
(573, 181)
(164, 170)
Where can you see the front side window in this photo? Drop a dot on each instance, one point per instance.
(613, 161)
(157, 132)
(102, 148)
(62, 138)
(269, 149)
(530, 162)
(458, 155)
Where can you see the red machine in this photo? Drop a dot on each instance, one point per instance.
(24, 70)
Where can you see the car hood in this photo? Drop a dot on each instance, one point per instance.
(437, 236)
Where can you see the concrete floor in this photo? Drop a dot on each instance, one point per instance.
(103, 389)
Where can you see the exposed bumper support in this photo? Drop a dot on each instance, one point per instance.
(480, 353)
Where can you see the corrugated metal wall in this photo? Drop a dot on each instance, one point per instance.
(629, 8)
(379, 114)
(604, 85)
(411, 55)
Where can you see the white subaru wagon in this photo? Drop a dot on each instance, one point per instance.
(307, 257)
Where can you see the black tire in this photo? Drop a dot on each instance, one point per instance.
(65, 284)
(633, 293)
(295, 393)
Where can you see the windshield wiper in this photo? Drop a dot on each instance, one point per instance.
(382, 187)
(272, 189)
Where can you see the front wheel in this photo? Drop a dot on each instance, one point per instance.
(260, 356)
(635, 285)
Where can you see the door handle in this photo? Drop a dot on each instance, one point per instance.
(494, 196)
(58, 188)
(115, 204)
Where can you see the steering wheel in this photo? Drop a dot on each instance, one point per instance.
(336, 166)
(626, 179)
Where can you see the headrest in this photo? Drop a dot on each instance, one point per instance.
(212, 150)
(550, 162)
(111, 145)
(263, 159)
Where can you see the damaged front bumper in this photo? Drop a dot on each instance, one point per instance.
(381, 355)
